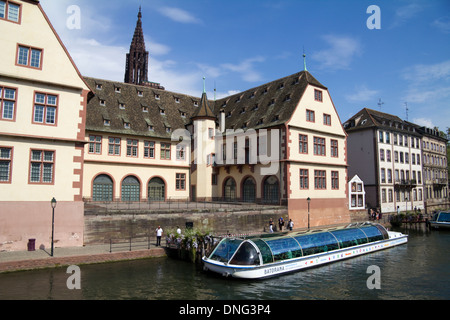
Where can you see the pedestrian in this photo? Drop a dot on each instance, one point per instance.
(370, 214)
(291, 224)
(271, 225)
(281, 223)
(398, 209)
(178, 230)
(159, 232)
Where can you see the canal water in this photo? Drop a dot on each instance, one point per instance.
(417, 270)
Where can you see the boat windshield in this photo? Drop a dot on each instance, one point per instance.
(225, 249)
(246, 255)
(444, 217)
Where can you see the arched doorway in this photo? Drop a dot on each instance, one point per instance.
(131, 188)
(102, 188)
(156, 189)
(249, 190)
(271, 190)
(229, 190)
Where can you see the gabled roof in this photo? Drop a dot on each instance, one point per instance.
(268, 105)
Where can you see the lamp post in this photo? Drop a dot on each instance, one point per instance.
(308, 200)
(53, 203)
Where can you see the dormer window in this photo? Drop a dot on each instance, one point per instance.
(126, 125)
(106, 122)
(229, 114)
(99, 86)
(242, 111)
(255, 107)
(276, 118)
(287, 98)
(157, 96)
(272, 102)
(150, 128)
(252, 95)
(117, 89)
(195, 103)
(183, 114)
(168, 129)
(102, 102)
(281, 86)
(237, 99)
(144, 109)
(162, 112)
(177, 100)
(260, 121)
(121, 105)
(265, 91)
(140, 93)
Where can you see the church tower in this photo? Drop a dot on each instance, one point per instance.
(136, 68)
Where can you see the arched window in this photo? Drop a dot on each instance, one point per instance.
(271, 190)
(130, 189)
(156, 189)
(229, 191)
(249, 190)
(102, 189)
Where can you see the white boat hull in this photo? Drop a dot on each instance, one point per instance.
(281, 267)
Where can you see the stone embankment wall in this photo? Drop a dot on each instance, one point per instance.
(102, 227)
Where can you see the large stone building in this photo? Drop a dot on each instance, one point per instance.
(42, 127)
(281, 142)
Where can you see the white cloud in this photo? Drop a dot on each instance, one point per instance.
(178, 15)
(424, 122)
(422, 95)
(442, 24)
(246, 69)
(405, 13)
(361, 94)
(339, 55)
(424, 73)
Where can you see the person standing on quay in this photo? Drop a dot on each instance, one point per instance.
(159, 233)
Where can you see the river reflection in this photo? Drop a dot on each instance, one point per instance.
(417, 270)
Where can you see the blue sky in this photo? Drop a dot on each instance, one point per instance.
(242, 44)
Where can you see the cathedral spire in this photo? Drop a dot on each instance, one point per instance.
(136, 69)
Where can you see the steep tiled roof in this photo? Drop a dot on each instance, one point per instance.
(149, 111)
(268, 105)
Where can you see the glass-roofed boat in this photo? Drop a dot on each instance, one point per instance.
(274, 254)
(440, 220)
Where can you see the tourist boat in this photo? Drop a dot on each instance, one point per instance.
(440, 220)
(277, 253)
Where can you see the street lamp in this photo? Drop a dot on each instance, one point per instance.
(53, 203)
(308, 200)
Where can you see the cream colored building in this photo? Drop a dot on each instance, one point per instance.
(43, 105)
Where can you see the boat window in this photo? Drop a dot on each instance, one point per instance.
(225, 249)
(372, 233)
(265, 251)
(349, 237)
(246, 255)
(284, 248)
(317, 243)
(444, 217)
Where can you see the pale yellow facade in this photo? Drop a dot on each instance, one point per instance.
(43, 99)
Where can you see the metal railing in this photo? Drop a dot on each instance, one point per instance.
(134, 243)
